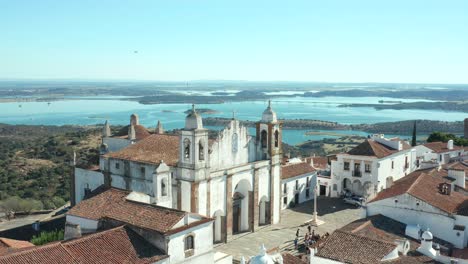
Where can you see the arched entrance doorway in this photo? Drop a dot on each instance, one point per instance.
(219, 230)
(264, 211)
(357, 187)
(241, 216)
(347, 185)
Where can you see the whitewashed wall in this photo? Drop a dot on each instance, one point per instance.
(203, 251)
(86, 225)
(86, 179)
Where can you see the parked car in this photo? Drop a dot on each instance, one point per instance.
(354, 200)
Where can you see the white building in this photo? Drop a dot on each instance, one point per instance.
(234, 178)
(372, 166)
(298, 181)
(438, 153)
(431, 198)
(181, 237)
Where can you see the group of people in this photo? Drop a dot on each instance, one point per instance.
(310, 238)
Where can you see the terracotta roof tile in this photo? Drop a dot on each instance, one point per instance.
(8, 245)
(295, 169)
(152, 150)
(374, 149)
(140, 132)
(318, 162)
(113, 204)
(459, 165)
(290, 259)
(351, 248)
(425, 185)
(53, 253)
(385, 229)
(118, 245)
(441, 147)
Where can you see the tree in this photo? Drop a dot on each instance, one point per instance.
(413, 141)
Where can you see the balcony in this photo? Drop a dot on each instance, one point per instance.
(357, 174)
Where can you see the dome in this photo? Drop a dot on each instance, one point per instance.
(427, 235)
(263, 258)
(193, 120)
(269, 115)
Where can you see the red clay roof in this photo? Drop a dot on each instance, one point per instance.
(140, 132)
(385, 229)
(53, 253)
(374, 149)
(459, 166)
(295, 169)
(351, 248)
(8, 245)
(318, 162)
(112, 204)
(291, 259)
(441, 147)
(118, 245)
(152, 150)
(425, 185)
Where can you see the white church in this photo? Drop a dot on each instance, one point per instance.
(234, 179)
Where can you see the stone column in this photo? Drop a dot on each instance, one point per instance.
(255, 200)
(229, 205)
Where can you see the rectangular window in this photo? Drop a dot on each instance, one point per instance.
(297, 185)
(307, 193)
(117, 165)
(307, 182)
(285, 200)
(357, 170)
(346, 166)
(393, 164)
(440, 158)
(367, 168)
(406, 162)
(285, 189)
(142, 170)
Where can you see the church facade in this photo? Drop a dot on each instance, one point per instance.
(234, 178)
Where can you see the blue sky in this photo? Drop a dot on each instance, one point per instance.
(337, 41)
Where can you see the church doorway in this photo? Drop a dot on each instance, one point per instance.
(242, 207)
(264, 211)
(323, 190)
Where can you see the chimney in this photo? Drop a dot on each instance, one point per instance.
(450, 144)
(159, 128)
(72, 231)
(131, 133)
(134, 120)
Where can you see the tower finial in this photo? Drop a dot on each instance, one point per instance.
(233, 114)
(193, 108)
(269, 103)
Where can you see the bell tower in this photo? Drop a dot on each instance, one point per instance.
(269, 135)
(193, 148)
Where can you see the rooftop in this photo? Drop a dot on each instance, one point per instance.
(295, 169)
(8, 245)
(118, 245)
(140, 132)
(153, 149)
(425, 185)
(373, 148)
(112, 204)
(441, 147)
(368, 241)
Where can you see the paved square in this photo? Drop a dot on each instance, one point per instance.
(333, 211)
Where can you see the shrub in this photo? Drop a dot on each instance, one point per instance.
(47, 237)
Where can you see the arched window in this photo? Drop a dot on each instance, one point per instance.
(187, 148)
(263, 137)
(201, 150)
(189, 243)
(276, 138)
(234, 142)
(163, 187)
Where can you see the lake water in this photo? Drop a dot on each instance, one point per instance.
(85, 112)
